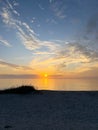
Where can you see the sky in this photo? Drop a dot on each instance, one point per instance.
(53, 37)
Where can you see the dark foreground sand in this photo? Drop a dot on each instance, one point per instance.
(49, 111)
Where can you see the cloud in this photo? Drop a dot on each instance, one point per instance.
(40, 6)
(3, 63)
(86, 51)
(23, 30)
(15, 3)
(61, 67)
(5, 14)
(92, 24)
(91, 30)
(29, 42)
(59, 8)
(66, 57)
(43, 53)
(33, 20)
(51, 55)
(50, 1)
(77, 50)
(92, 72)
(26, 34)
(73, 56)
(12, 8)
(5, 42)
(52, 21)
(38, 25)
(28, 28)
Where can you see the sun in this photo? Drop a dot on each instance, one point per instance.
(45, 75)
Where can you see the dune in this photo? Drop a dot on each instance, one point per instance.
(20, 90)
(49, 110)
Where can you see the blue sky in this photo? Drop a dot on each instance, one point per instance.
(49, 36)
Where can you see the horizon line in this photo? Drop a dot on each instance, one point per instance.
(13, 76)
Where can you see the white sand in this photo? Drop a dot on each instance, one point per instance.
(49, 111)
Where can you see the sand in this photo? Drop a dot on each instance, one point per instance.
(49, 110)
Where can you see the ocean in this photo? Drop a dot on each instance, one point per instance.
(53, 84)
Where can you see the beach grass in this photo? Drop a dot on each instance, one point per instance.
(23, 89)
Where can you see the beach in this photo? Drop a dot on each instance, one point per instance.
(49, 110)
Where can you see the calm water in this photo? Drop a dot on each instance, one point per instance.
(52, 84)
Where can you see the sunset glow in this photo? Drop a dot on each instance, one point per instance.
(53, 36)
(45, 75)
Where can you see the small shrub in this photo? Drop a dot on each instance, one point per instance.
(20, 90)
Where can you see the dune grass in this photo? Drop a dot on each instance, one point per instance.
(24, 89)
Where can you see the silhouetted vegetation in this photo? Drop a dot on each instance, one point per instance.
(20, 90)
(8, 127)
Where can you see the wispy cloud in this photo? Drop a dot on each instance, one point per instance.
(50, 1)
(6, 15)
(70, 57)
(52, 21)
(33, 20)
(12, 8)
(91, 30)
(75, 55)
(28, 28)
(4, 42)
(92, 24)
(43, 53)
(59, 8)
(3, 63)
(50, 55)
(89, 34)
(25, 32)
(40, 6)
(15, 3)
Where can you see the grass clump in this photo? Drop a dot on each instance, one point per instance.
(24, 89)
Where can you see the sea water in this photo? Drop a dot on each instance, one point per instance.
(52, 84)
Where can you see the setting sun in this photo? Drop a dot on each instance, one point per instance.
(45, 75)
